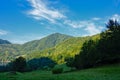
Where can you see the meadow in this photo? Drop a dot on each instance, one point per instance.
(109, 72)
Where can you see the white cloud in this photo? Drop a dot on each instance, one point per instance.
(75, 24)
(3, 32)
(43, 11)
(116, 17)
(92, 29)
(88, 26)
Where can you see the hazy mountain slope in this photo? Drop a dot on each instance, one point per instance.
(8, 52)
(4, 42)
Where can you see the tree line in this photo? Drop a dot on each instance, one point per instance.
(20, 64)
(105, 50)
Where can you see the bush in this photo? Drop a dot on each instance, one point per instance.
(57, 70)
(41, 63)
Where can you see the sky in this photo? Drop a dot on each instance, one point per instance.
(25, 20)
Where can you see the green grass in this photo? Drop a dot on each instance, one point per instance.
(111, 72)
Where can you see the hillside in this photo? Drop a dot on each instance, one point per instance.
(110, 72)
(67, 48)
(44, 43)
(4, 42)
(10, 51)
(55, 46)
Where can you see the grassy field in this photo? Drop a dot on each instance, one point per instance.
(111, 72)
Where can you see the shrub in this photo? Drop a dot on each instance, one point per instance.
(57, 70)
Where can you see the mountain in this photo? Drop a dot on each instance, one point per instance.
(10, 51)
(4, 42)
(65, 49)
(44, 43)
(55, 46)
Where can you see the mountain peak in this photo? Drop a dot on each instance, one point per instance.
(46, 42)
(59, 34)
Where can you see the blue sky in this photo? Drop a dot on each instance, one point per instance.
(26, 20)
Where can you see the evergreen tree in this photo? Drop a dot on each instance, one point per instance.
(87, 57)
(103, 51)
(109, 43)
(19, 64)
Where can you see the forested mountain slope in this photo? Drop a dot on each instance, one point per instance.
(68, 48)
(10, 51)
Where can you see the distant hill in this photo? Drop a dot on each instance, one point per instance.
(9, 51)
(4, 42)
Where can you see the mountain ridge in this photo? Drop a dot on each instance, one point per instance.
(13, 50)
(55, 46)
(46, 42)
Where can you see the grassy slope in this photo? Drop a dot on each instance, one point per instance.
(102, 73)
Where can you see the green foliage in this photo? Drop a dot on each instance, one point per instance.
(102, 51)
(57, 70)
(19, 64)
(61, 68)
(69, 62)
(41, 63)
(110, 72)
(88, 55)
(111, 41)
(63, 50)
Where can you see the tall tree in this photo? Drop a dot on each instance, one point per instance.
(87, 57)
(19, 64)
(109, 44)
(103, 51)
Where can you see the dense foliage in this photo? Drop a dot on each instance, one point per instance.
(106, 50)
(110, 52)
(66, 49)
(19, 64)
(57, 70)
(41, 63)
